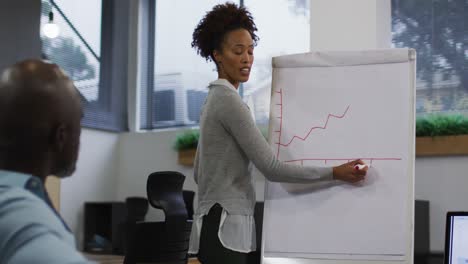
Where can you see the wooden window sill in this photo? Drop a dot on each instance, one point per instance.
(442, 146)
(425, 147)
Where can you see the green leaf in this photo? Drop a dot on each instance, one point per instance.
(187, 140)
(441, 125)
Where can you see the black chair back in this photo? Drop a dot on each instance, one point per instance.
(137, 207)
(164, 190)
(188, 199)
(162, 242)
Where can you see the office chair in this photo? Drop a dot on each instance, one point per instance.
(161, 242)
(188, 200)
(136, 209)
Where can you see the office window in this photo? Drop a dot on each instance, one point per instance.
(288, 35)
(175, 88)
(174, 94)
(438, 30)
(77, 50)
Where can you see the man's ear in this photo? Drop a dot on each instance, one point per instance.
(59, 137)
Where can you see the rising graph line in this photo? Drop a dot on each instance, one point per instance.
(313, 128)
(325, 159)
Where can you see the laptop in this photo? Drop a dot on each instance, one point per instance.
(456, 238)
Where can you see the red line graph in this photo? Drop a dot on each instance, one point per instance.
(329, 116)
(343, 159)
(313, 128)
(280, 92)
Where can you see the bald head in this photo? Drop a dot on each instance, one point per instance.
(40, 113)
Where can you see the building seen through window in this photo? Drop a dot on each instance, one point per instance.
(438, 30)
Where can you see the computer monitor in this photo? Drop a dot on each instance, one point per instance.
(456, 238)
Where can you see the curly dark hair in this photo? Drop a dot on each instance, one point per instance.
(223, 18)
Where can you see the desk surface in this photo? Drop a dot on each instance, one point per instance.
(115, 259)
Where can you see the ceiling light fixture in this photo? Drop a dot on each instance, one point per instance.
(51, 29)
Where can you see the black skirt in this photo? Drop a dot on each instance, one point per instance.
(211, 250)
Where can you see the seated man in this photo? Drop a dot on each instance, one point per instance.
(40, 113)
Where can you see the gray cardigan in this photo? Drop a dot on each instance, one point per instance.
(229, 140)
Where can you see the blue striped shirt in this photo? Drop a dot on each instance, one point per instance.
(31, 231)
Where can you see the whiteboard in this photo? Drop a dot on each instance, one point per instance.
(328, 108)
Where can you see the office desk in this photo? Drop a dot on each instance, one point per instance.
(115, 259)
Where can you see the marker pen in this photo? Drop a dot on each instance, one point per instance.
(360, 166)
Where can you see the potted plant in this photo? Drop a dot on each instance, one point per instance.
(441, 135)
(186, 145)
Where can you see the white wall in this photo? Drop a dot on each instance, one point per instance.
(444, 182)
(349, 25)
(144, 153)
(95, 178)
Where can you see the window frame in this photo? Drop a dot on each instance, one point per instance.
(147, 70)
(147, 65)
(108, 112)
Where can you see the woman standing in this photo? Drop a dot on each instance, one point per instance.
(224, 229)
